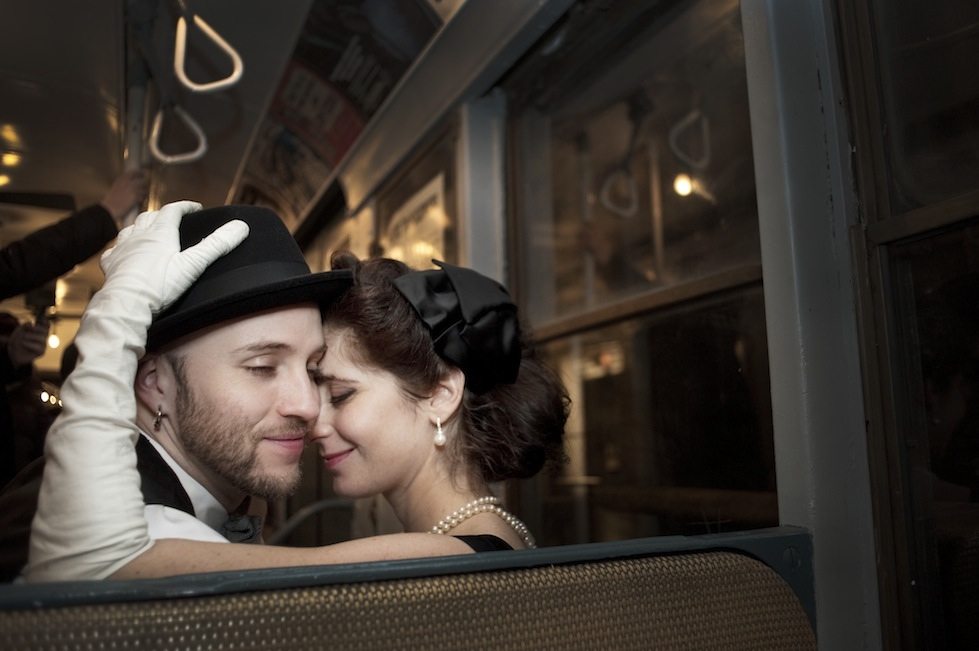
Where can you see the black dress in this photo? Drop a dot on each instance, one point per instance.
(486, 543)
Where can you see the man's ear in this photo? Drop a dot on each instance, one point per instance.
(447, 397)
(154, 382)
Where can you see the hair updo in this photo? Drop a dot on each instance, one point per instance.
(506, 432)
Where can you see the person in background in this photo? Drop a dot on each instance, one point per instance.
(52, 251)
(20, 345)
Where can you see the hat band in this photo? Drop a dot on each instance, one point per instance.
(241, 279)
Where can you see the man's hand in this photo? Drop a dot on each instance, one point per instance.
(27, 343)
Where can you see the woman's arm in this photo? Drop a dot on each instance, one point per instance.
(170, 557)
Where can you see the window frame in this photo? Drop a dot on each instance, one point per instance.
(904, 623)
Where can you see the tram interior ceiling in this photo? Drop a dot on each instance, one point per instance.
(220, 100)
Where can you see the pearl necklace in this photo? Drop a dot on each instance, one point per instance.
(488, 504)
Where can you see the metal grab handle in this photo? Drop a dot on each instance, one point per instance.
(180, 51)
(688, 121)
(631, 202)
(188, 157)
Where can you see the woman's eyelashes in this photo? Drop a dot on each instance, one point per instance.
(340, 396)
(316, 375)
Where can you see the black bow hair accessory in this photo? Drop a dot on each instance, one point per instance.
(472, 321)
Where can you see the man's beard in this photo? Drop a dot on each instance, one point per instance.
(228, 447)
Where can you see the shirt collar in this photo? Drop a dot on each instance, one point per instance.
(207, 508)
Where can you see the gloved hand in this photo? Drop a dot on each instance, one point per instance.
(90, 520)
(147, 258)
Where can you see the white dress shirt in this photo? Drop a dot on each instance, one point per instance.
(167, 522)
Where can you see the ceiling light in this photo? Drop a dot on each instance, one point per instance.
(4, 180)
(9, 133)
(683, 185)
(10, 159)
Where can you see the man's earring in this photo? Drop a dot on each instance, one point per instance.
(439, 434)
(159, 418)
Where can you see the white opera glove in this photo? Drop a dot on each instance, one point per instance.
(90, 520)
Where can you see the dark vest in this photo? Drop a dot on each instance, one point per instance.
(158, 481)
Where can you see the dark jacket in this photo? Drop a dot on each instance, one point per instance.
(52, 251)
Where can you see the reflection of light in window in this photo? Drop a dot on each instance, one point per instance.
(9, 133)
(683, 185)
(44, 396)
(607, 359)
(422, 249)
(53, 341)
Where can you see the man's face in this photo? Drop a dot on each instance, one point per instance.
(245, 400)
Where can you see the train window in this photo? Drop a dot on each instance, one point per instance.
(916, 155)
(936, 282)
(671, 426)
(639, 177)
(930, 99)
(416, 210)
(635, 237)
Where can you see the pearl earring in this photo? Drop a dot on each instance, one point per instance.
(439, 434)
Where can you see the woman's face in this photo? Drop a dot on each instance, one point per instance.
(371, 437)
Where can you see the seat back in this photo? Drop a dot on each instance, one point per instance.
(699, 599)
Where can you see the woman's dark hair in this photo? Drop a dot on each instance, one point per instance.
(507, 432)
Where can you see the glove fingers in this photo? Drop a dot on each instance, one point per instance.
(172, 212)
(167, 217)
(189, 264)
(218, 243)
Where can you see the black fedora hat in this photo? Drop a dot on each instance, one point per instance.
(265, 271)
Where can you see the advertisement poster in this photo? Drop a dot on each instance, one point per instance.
(348, 57)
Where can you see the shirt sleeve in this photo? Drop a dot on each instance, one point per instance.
(166, 522)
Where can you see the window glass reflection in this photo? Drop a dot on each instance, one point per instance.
(936, 300)
(931, 99)
(671, 427)
(642, 178)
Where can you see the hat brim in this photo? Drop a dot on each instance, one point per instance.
(320, 288)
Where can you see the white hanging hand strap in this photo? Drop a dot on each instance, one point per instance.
(180, 52)
(186, 157)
